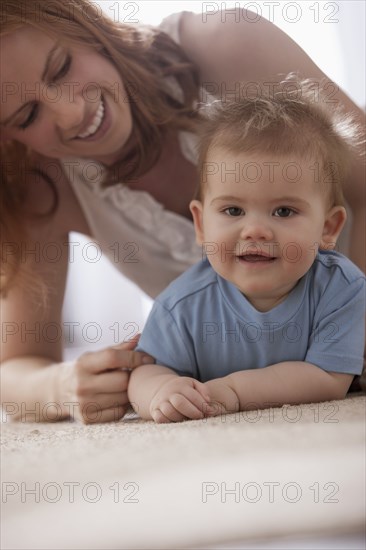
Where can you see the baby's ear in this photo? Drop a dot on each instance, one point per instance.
(333, 225)
(196, 210)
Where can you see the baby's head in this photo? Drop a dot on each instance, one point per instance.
(290, 119)
(272, 168)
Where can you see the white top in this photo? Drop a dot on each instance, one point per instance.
(147, 243)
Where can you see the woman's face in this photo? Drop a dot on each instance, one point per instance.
(60, 101)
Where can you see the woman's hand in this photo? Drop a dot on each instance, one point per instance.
(94, 388)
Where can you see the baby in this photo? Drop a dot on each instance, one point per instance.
(272, 315)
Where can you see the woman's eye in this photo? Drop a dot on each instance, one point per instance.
(64, 69)
(284, 212)
(233, 211)
(61, 73)
(31, 117)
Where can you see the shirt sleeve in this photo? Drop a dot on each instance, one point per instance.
(337, 341)
(162, 338)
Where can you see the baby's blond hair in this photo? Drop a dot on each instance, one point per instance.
(290, 119)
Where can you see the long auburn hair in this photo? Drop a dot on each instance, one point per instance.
(144, 57)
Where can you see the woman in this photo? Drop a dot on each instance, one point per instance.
(96, 104)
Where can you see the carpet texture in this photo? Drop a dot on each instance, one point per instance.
(134, 484)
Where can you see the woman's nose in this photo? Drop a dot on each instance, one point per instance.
(256, 229)
(68, 113)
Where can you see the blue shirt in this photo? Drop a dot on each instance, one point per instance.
(203, 327)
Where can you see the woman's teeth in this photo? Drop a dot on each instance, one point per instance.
(94, 126)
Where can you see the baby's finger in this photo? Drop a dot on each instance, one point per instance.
(159, 417)
(189, 404)
(171, 412)
(202, 389)
(194, 397)
(166, 413)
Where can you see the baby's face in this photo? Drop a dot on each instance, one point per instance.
(262, 222)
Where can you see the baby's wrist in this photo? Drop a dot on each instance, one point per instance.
(223, 395)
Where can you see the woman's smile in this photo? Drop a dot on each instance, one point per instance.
(91, 131)
(90, 118)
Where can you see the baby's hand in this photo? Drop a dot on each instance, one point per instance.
(181, 398)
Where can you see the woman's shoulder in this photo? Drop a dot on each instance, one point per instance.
(171, 25)
(188, 29)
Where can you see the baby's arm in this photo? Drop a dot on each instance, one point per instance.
(290, 382)
(158, 393)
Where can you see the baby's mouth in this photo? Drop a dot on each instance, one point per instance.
(253, 258)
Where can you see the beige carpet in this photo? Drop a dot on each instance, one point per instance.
(133, 484)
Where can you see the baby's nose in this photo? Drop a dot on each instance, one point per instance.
(256, 229)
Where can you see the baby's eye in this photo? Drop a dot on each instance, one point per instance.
(284, 212)
(234, 211)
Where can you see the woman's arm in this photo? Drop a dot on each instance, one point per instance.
(260, 54)
(290, 382)
(30, 343)
(36, 386)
